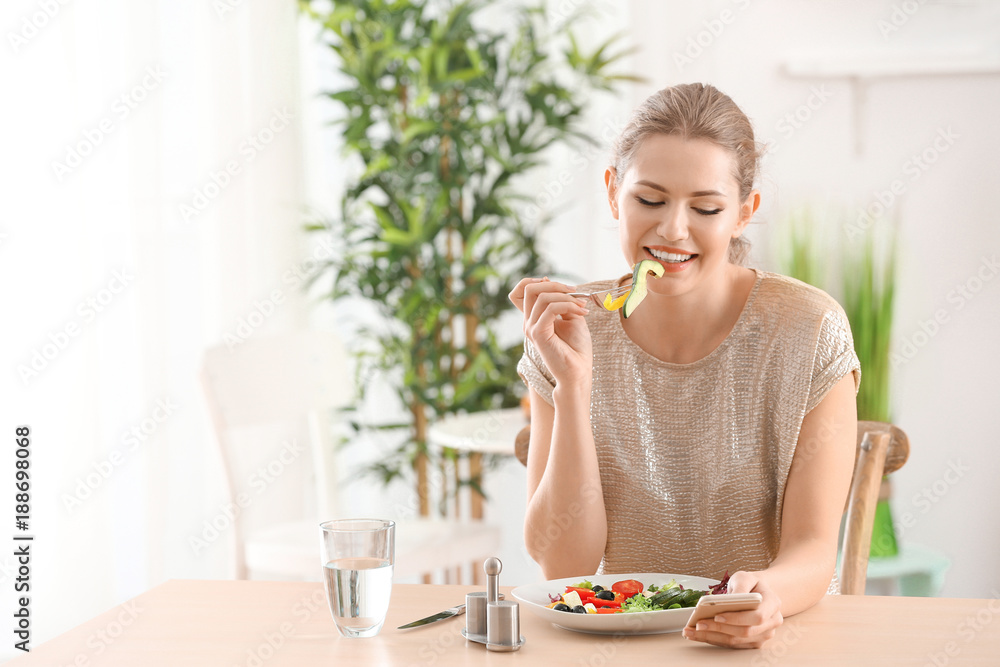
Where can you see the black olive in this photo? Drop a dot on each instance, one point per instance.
(598, 589)
(605, 595)
(578, 609)
(562, 607)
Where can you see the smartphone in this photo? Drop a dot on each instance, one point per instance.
(710, 606)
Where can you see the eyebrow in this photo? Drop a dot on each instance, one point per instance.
(699, 193)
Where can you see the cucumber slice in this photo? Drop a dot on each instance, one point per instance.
(638, 291)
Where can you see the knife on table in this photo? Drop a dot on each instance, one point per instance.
(440, 616)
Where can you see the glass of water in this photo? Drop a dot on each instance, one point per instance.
(357, 567)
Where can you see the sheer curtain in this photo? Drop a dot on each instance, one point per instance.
(153, 201)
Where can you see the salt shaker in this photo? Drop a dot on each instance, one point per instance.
(503, 626)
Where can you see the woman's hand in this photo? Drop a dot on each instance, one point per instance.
(554, 323)
(742, 629)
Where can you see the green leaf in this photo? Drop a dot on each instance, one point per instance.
(377, 166)
(417, 128)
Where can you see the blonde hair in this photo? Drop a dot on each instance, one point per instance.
(695, 111)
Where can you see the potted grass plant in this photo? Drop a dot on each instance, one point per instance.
(867, 269)
(869, 284)
(448, 114)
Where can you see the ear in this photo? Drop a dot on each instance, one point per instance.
(747, 209)
(610, 176)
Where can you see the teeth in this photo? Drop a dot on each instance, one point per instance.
(669, 256)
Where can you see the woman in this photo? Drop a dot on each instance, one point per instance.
(712, 430)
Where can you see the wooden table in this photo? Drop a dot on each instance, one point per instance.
(265, 624)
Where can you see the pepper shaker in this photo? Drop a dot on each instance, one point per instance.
(475, 615)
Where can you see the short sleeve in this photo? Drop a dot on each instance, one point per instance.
(532, 370)
(835, 357)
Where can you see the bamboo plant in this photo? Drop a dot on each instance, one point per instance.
(447, 116)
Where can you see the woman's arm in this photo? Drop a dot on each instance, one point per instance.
(565, 527)
(815, 492)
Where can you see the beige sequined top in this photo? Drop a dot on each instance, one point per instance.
(694, 457)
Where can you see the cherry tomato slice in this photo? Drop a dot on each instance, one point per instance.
(627, 588)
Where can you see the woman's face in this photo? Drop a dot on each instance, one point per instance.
(679, 205)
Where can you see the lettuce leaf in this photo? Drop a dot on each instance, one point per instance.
(638, 603)
(584, 584)
(670, 584)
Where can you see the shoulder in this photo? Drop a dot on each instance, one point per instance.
(818, 323)
(798, 315)
(786, 295)
(808, 329)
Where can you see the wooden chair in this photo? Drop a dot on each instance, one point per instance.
(882, 449)
(295, 381)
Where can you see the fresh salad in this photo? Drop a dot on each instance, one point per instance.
(628, 596)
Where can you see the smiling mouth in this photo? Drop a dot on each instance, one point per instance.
(670, 257)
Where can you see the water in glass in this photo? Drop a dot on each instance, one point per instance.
(358, 590)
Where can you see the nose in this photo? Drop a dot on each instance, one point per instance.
(673, 226)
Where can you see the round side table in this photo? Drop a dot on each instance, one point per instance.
(490, 432)
(478, 433)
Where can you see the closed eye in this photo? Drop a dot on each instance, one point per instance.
(655, 204)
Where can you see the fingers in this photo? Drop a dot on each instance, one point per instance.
(727, 640)
(731, 635)
(525, 296)
(534, 290)
(734, 618)
(753, 582)
(731, 625)
(527, 289)
(547, 308)
(516, 295)
(741, 582)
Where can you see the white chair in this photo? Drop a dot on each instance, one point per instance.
(300, 379)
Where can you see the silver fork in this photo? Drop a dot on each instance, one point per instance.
(598, 296)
